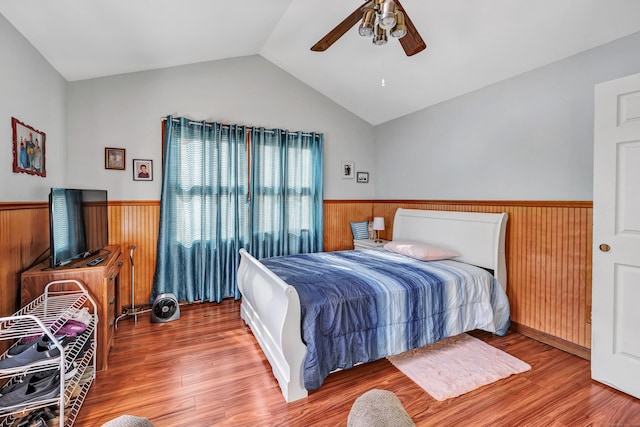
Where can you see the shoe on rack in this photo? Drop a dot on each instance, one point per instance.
(42, 349)
(72, 328)
(36, 377)
(86, 346)
(87, 375)
(29, 378)
(70, 372)
(19, 347)
(22, 344)
(82, 316)
(42, 417)
(34, 390)
(55, 412)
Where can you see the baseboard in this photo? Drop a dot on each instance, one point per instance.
(556, 342)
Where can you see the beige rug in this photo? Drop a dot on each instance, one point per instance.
(457, 365)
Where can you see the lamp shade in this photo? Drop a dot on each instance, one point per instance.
(378, 223)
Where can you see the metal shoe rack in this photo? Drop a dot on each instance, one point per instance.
(46, 315)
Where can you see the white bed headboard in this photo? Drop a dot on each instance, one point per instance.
(479, 238)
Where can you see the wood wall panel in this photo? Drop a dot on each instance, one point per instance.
(337, 216)
(24, 235)
(135, 223)
(548, 249)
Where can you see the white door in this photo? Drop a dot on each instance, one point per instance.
(615, 344)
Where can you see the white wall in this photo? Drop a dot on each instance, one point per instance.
(124, 111)
(34, 93)
(526, 138)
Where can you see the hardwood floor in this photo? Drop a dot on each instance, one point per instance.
(206, 369)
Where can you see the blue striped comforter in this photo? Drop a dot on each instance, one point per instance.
(360, 306)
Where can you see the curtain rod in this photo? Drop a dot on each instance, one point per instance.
(226, 126)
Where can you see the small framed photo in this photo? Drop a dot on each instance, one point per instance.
(28, 149)
(362, 177)
(348, 169)
(114, 158)
(142, 170)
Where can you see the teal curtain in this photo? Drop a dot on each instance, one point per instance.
(286, 193)
(203, 210)
(209, 209)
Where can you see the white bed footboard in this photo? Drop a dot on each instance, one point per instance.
(271, 308)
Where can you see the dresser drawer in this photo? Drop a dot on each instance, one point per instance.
(114, 269)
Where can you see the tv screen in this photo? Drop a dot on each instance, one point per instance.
(78, 223)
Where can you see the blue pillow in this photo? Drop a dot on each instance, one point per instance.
(360, 230)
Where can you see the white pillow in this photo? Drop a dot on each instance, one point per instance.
(418, 250)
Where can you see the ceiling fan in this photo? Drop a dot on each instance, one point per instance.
(377, 17)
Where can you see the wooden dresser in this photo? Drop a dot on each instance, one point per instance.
(102, 283)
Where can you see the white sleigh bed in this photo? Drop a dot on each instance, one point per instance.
(272, 310)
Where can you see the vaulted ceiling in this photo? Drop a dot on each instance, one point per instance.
(470, 43)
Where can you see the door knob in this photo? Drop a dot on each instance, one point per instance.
(604, 247)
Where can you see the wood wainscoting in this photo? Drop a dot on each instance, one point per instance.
(548, 255)
(24, 235)
(135, 223)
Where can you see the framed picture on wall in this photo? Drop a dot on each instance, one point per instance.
(114, 158)
(348, 169)
(362, 177)
(28, 149)
(142, 170)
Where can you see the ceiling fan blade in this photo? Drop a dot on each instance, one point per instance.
(341, 28)
(412, 43)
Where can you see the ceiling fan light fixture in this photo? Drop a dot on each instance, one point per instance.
(368, 23)
(380, 36)
(371, 18)
(387, 11)
(400, 29)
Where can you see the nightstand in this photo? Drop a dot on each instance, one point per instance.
(368, 244)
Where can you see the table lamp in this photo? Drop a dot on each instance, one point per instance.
(378, 224)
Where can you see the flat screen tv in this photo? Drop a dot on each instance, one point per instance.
(78, 224)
